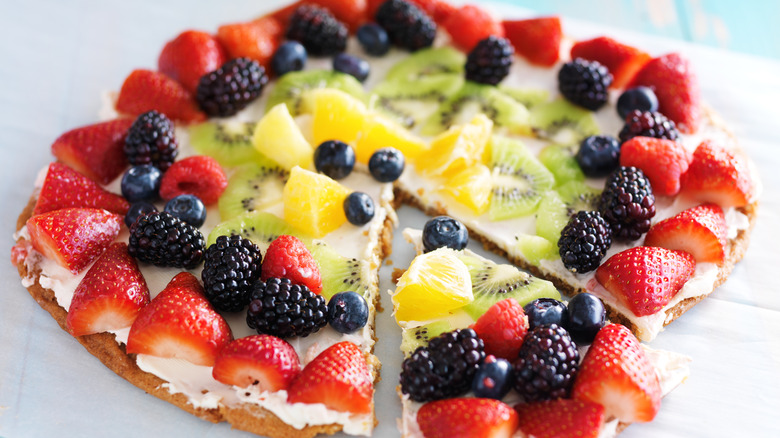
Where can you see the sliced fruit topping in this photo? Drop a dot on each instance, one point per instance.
(536, 248)
(291, 88)
(467, 417)
(336, 115)
(662, 161)
(256, 39)
(339, 273)
(503, 328)
(151, 140)
(444, 231)
(63, 187)
(95, 150)
(230, 88)
(562, 122)
(584, 241)
(471, 187)
(490, 60)
(347, 312)
(623, 61)
(252, 187)
(646, 278)
(412, 338)
(547, 364)
(278, 136)
(199, 175)
(260, 361)
(280, 308)
(561, 418)
(162, 239)
(456, 149)
(338, 378)
(648, 124)
(189, 56)
(537, 39)
(617, 374)
(288, 257)
(700, 231)
(146, 90)
(494, 378)
(407, 26)
(718, 175)
(314, 203)
(378, 132)
(260, 227)
(584, 83)
(529, 97)
(318, 30)
(109, 296)
(561, 161)
(627, 203)
(230, 268)
(230, 143)
(469, 24)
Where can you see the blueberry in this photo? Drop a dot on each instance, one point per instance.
(137, 210)
(598, 155)
(444, 231)
(351, 65)
(386, 164)
(141, 183)
(334, 158)
(639, 98)
(347, 312)
(359, 208)
(290, 56)
(373, 38)
(188, 208)
(493, 378)
(546, 311)
(586, 317)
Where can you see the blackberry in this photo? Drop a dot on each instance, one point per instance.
(648, 124)
(445, 368)
(161, 239)
(546, 365)
(584, 83)
(279, 308)
(150, 140)
(627, 203)
(319, 31)
(407, 26)
(490, 60)
(584, 241)
(230, 268)
(230, 88)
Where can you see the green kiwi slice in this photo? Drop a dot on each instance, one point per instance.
(291, 87)
(427, 63)
(563, 122)
(529, 97)
(230, 143)
(561, 204)
(559, 159)
(416, 337)
(253, 187)
(411, 103)
(338, 273)
(536, 248)
(260, 227)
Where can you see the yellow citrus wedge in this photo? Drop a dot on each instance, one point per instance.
(379, 132)
(313, 202)
(459, 147)
(471, 187)
(278, 136)
(336, 115)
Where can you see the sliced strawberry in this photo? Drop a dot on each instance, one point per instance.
(467, 417)
(110, 295)
(350, 12)
(718, 175)
(677, 88)
(537, 39)
(180, 323)
(469, 24)
(623, 61)
(338, 378)
(20, 251)
(266, 361)
(256, 40)
(617, 374)
(199, 175)
(646, 278)
(146, 90)
(503, 328)
(288, 257)
(189, 56)
(64, 188)
(662, 161)
(73, 237)
(700, 231)
(561, 418)
(95, 150)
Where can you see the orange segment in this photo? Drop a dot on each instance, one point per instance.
(471, 187)
(313, 202)
(459, 147)
(379, 132)
(278, 136)
(335, 115)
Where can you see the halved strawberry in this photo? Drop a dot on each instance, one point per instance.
(110, 295)
(189, 56)
(469, 24)
(266, 361)
(64, 188)
(288, 257)
(467, 417)
(645, 278)
(537, 39)
(73, 237)
(256, 40)
(662, 161)
(146, 90)
(718, 175)
(180, 323)
(622, 60)
(503, 328)
(199, 175)
(617, 374)
(677, 88)
(561, 418)
(95, 150)
(700, 231)
(338, 378)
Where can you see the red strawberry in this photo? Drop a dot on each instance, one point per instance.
(439, 10)
(288, 257)
(179, 322)
(199, 175)
(663, 161)
(96, 151)
(110, 295)
(467, 417)
(20, 251)
(561, 418)
(718, 175)
(189, 56)
(469, 24)
(623, 61)
(73, 237)
(64, 187)
(645, 278)
(700, 231)
(350, 12)
(503, 328)
(263, 360)
(146, 90)
(617, 374)
(257, 39)
(338, 378)
(677, 89)
(537, 39)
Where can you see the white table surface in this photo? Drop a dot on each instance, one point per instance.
(56, 58)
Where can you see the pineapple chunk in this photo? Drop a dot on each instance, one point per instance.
(471, 187)
(313, 202)
(336, 115)
(379, 132)
(457, 148)
(278, 136)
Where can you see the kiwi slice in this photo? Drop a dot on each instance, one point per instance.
(416, 337)
(529, 97)
(260, 227)
(426, 63)
(561, 204)
(411, 103)
(559, 159)
(563, 122)
(519, 179)
(338, 273)
(253, 187)
(230, 143)
(291, 88)
(536, 248)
